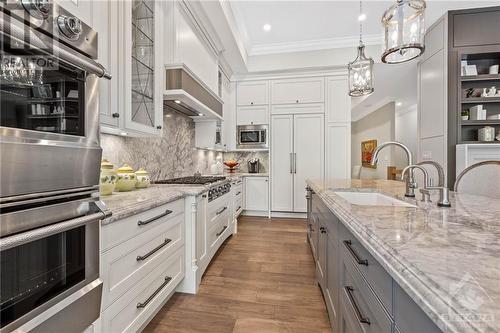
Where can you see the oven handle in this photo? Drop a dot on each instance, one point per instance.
(35, 234)
(18, 33)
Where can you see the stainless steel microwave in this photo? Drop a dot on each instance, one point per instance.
(252, 137)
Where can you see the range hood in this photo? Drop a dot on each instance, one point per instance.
(187, 95)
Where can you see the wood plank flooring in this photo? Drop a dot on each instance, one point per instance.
(261, 280)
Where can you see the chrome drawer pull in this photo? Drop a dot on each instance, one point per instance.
(139, 258)
(221, 211)
(239, 207)
(220, 233)
(361, 319)
(167, 212)
(150, 298)
(238, 193)
(347, 244)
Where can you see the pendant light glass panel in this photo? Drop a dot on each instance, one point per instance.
(404, 31)
(360, 74)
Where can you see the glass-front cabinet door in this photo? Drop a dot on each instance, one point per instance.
(143, 68)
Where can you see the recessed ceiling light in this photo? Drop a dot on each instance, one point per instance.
(267, 27)
(123, 133)
(177, 101)
(399, 104)
(362, 17)
(200, 114)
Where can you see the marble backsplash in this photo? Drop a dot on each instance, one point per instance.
(171, 155)
(243, 157)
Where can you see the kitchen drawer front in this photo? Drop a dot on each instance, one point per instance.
(372, 271)
(359, 300)
(218, 230)
(126, 264)
(238, 191)
(300, 90)
(124, 315)
(238, 205)
(408, 316)
(298, 109)
(215, 211)
(119, 231)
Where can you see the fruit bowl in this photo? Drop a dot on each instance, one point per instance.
(231, 165)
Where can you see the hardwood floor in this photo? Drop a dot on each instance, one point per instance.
(262, 280)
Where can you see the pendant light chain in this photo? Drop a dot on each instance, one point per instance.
(360, 23)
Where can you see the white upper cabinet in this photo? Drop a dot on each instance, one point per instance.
(253, 93)
(299, 90)
(185, 45)
(131, 49)
(253, 115)
(338, 107)
(106, 24)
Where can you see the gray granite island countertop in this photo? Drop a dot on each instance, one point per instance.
(125, 204)
(446, 259)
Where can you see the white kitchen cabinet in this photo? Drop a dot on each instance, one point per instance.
(298, 108)
(338, 105)
(282, 163)
(83, 9)
(229, 113)
(253, 93)
(252, 115)
(208, 134)
(129, 34)
(257, 193)
(297, 154)
(298, 90)
(106, 24)
(338, 150)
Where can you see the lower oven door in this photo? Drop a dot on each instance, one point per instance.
(47, 266)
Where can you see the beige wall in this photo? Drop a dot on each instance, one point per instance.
(378, 125)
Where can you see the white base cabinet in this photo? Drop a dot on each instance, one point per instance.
(141, 266)
(257, 194)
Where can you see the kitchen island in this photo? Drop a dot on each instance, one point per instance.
(446, 261)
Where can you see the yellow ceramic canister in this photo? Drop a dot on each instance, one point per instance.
(143, 180)
(108, 178)
(126, 179)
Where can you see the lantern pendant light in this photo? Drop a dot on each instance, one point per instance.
(361, 69)
(404, 31)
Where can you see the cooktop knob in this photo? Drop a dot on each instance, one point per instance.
(70, 26)
(39, 9)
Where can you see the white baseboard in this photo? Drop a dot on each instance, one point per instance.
(260, 213)
(289, 215)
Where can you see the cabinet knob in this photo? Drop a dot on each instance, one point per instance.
(323, 230)
(158, 127)
(251, 103)
(296, 101)
(116, 115)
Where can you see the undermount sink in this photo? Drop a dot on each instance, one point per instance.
(371, 199)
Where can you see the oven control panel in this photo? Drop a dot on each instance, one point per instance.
(218, 191)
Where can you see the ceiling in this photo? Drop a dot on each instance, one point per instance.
(315, 25)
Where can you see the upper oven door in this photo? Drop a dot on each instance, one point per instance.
(49, 120)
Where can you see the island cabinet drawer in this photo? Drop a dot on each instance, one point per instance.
(238, 204)
(125, 265)
(408, 316)
(131, 311)
(119, 231)
(359, 304)
(218, 229)
(376, 276)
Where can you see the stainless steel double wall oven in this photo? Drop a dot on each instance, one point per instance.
(49, 169)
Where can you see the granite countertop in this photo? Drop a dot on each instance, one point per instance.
(125, 204)
(446, 259)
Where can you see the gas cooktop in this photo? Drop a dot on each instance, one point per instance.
(195, 180)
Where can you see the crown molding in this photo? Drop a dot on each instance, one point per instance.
(314, 45)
